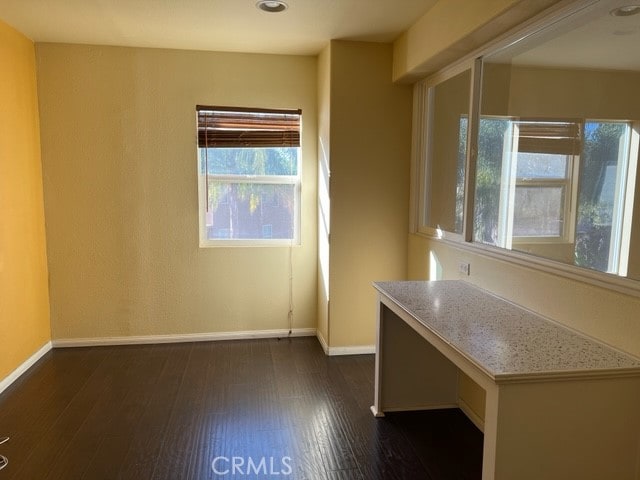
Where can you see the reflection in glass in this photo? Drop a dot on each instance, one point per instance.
(488, 174)
(538, 212)
(529, 164)
(558, 144)
(524, 198)
(449, 107)
(541, 165)
(602, 182)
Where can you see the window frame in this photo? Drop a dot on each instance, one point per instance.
(420, 144)
(292, 180)
(422, 151)
(569, 182)
(567, 208)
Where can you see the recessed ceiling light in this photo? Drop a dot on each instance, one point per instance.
(272, 6)
(625, 11)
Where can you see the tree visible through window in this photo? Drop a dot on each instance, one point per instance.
(603, 177)
(526, 185)
(249, 169)
(524, 180)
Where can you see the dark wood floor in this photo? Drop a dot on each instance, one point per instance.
(168, 411)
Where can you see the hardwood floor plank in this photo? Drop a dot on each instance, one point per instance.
(186, 424)
(141, 372)
(105, 391)
(146, 442)
(161, 412)
(446, 448)
(67, 408)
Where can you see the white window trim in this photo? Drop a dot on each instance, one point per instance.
(627, 216)
(623, 208)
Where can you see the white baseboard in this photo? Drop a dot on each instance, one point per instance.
(28, 363)
(417, 408)
(376, 412)
(181, 338)
(214, 336)
(323, 342)
(471, 415)
(351, 350)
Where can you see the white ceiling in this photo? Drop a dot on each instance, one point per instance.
(590, 39)
(216, 25)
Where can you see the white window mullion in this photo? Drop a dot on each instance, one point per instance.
(618, 259)
(260, 179)
(508, 186)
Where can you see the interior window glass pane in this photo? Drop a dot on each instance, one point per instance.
(599, 193)
(541, 165)
(491, 144)
(250, 211)
(448, 139)
(252, 161)
(538, 211)
(568, 97)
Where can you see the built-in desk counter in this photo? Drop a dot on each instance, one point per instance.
(559, 405)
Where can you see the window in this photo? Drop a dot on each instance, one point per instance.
(525, 180)
(555, 182)
(444, 176)
(538, 159)
(249, 176)
(532, 145)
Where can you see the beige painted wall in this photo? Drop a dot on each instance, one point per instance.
(370, 153)
(601, 313)
(119, 162)
(24, 297)
(324, 204)
(573, 93)
(452, 28)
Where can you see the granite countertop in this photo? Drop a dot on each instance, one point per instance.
(501, 338)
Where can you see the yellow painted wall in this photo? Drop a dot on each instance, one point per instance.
(324, 204)
(120, 184)
(24, 298)
(370, 153)
(452, 28)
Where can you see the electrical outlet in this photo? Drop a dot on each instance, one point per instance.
(464, 268)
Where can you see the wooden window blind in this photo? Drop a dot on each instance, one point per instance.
(231, 127)
(543, 136)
